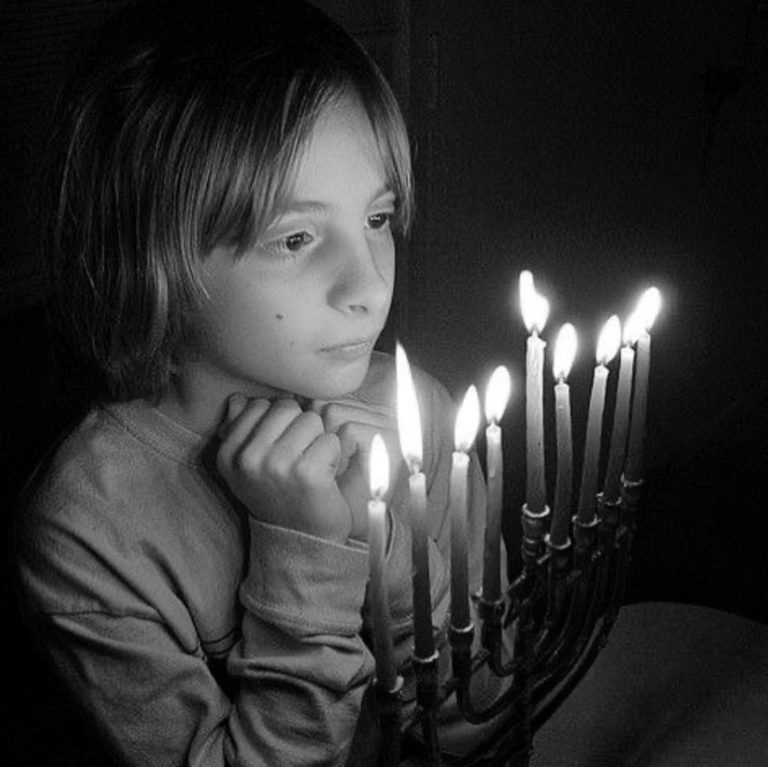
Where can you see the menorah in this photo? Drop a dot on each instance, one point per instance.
(545, 631)
(560, 608)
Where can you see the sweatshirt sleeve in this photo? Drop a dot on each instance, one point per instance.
(302, 665)
(295, 680)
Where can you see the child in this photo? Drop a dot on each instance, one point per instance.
(227, 182)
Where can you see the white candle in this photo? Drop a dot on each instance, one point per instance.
(535, 309)
(409, 428)
(496, 397)
(634, 469)
(565, 351)
(648, 309)
(607, 346)
(618, 449)
(467, 421)
(386, 673)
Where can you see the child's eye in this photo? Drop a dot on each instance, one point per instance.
(288, 244)
(379, 220)
(295, 241)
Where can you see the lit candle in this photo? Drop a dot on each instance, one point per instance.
(647, 310)
(409, 428)
(496, 396)
(386, 673)
(467, 421)
(607, 346)
(535, 309)
(565, 351)
(618, 450)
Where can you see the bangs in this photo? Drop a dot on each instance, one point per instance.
(250, 171)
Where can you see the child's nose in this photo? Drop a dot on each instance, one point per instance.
(363, 281)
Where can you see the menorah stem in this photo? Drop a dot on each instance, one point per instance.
(388, 703)
(587, 607)
(583, 663)
(558, 568)
(615, 545)
(425, 670)
(579, 610)
(524, 645)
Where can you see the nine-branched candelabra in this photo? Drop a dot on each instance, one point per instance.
(540, 637)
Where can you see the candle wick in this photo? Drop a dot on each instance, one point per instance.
(414, 465)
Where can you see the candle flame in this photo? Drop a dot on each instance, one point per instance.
(497, 394)
(565, 351)
(467, 420)
(633, 328)
(408, 418)
(534, 307)
(648, 307)
(379, 467)
(609, 341)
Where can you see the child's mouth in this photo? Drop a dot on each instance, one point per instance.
(350, 350)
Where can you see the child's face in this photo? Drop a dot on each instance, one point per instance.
(300, 312)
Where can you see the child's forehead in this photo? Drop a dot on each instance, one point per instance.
(340, 139)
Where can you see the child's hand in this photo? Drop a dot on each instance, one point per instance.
(282, 464)
(355, 423)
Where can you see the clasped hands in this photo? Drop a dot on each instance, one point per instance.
(304, 469)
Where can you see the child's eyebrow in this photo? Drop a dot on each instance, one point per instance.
(384, 191)
(316, 206)
(303, 206)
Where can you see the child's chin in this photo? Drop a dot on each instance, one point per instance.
(337, 386)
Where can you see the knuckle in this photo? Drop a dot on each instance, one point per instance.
(245, 461)
(331, 415)
(287, 406)
(313, 420)
(306, 472)
(277, 464)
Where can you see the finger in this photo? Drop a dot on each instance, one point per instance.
(279, 415)
(335, 414)
(295, 439)
(256, 428)
(245, 416)
(235, 405)
(355, 437)
(320, 460)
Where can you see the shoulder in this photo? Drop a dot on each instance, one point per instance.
(80, 521)
(96, 457)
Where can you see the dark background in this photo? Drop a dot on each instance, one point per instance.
(604, 145)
